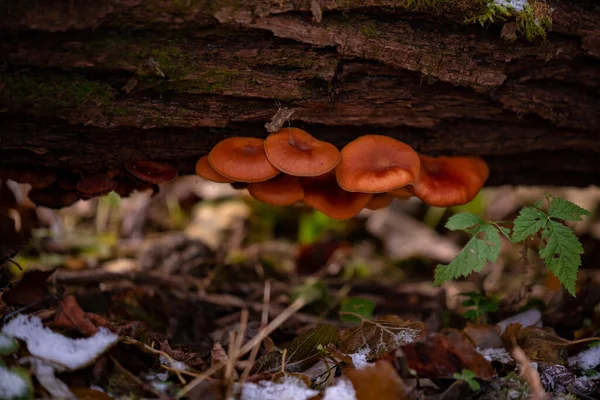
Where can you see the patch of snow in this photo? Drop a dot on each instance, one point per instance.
(517, 5)
(44, 372)
(46, 344)
(359, 359)
(173, 364)
(342, 390)
(406, 336)
(498, 354)
(6, 342)
(530, 317)
(289, 389)
(587, 359)
(12, 385)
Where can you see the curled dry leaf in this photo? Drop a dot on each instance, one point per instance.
(440, 355)
(377, 382)
(303, 353)
(70, 315)
(538, 344)
(380, 336)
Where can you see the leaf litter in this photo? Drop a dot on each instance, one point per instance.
(223, 302)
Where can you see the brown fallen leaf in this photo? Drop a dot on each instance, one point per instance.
(190, 359)
(69, 315)
(377, 382)
(380, 336)
(440, 355)
(31, 289)
(538, 344)
(484, 336)
(83, 393)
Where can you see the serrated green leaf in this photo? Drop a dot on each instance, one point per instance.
(562, 254)
(564, 209)
(529, 221)
(463, 221)
(472, 257)
(358, 305)
(302, 354)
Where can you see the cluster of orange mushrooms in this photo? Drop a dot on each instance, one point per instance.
(291, 166)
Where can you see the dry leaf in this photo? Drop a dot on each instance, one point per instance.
(484, 336)
(69, 315)
(378, 382)
(31, 289)
(439, 355)
(302, 354)
(539, 344)
(382, 335)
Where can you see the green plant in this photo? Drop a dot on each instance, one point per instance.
(559, 248)
(468, 376)
(481, 304)
(356, 305)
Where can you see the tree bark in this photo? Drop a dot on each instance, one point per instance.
(89, 85)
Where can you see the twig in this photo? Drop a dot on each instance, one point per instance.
(263, 322)
(137, 380)
(530, 375)
(256, 340)
(178, 372)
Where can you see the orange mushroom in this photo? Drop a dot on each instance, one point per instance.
(402, 193)
(450, 181)
(204, 170)
(283, 190)
(151, 171)
(95, 186)
(377, 164)
(298, 153)
(324, 194)
(242, 159)
(379, 200)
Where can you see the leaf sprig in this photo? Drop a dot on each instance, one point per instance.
(560, 249)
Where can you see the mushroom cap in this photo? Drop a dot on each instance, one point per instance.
(298, 153)
(151, 171)
(54, 197)
(402, 193)
(379, 201)
(239, 185)
(242, 159)
(204, 170)
(95, 186)
(324, 194)
(377, 164)
(450, 181)
(37, 178)
(282, 190)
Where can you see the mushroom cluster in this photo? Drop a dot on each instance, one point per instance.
(291, 166)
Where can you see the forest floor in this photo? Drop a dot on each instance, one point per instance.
(200, 292)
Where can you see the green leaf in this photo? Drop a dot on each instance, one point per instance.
(358, 305)
(463, 221)
(311, 292)
(564, 209)
(562, 254)
(302, 354)
(473, 257)
(8, 345)
(529, 221)
(468, 376)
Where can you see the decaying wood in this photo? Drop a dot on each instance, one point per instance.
(88, 85)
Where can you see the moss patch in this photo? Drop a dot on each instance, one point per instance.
(54, 92)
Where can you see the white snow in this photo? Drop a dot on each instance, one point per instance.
(11, 384)
(587, 359)
(359, 359)
(173, 364)
(6, 342)
(406, 336)
(44, 343)
(498, 354)
(517, 5)
(289, 389)
(342, 390)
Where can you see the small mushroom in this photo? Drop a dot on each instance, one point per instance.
(282, 190)
(379, 201)
(242, 159)
(54, 197)
(37, 178)
(324, 194)
(95, 186)
(151, 171)
(450, 181)
(377, 164)
(298, 153)
(402, 193)
(204, 170)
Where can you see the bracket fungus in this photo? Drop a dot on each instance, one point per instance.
(204, 170)
(450, 181)
(324, 194)
(151, 171)
(377, 164)
(282, 190)
(298, 153)
(242, 159)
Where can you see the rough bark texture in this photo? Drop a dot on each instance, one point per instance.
(87, 85)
